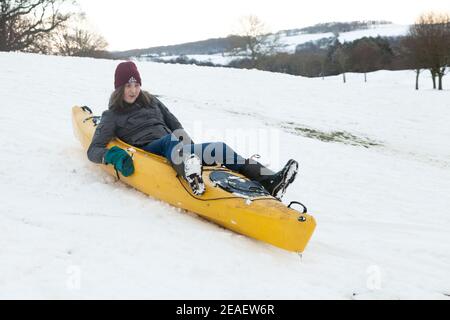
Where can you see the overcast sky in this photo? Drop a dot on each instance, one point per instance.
(131, 24)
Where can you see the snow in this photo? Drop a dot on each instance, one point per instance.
(68, 230)
(290, 43)
(384, 30)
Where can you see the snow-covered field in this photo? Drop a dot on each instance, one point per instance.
(68, 230)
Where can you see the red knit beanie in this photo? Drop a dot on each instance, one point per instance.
(126, 72)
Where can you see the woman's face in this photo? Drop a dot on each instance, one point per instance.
(131, 93)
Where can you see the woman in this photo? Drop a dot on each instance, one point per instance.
(140, 119)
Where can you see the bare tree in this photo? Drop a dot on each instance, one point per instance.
(431, 33)
(254, 35)
(80, 43)
(366, 56)
(26, 24)
(323, 59)
(76, 38)
(415, 55)
(342, 58)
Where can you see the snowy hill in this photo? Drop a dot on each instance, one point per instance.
(289, 41)
(375, 173)
(384, 30)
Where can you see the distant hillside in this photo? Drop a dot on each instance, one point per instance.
(338, 27)
(210, 46)
(223, 45)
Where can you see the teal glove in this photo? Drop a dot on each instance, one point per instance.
(121, 160)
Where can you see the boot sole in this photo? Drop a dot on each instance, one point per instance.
(193, 173)
(289, 174)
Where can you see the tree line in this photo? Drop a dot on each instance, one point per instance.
(425, 47)
(312, 60)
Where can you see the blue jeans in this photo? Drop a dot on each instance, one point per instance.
(210, 153)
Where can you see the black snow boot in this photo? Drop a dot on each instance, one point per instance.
(191, 170)
(275, 183)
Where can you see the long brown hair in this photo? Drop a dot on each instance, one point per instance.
(117, 103)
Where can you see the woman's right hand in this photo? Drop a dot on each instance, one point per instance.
(121, 160)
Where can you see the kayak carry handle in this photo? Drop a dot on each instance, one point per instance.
(86, 109)
(305, 210)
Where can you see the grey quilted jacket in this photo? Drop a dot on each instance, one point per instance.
(137, 125)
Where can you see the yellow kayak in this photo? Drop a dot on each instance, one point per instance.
(262, 217)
